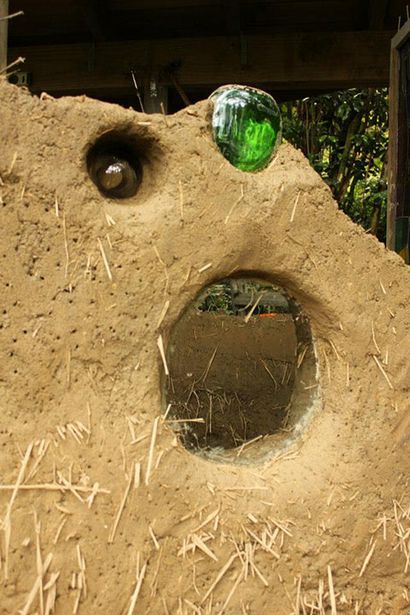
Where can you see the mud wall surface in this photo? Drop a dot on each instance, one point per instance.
(101, 507)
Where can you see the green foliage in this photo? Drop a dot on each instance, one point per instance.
(217, 298)
(345, 135)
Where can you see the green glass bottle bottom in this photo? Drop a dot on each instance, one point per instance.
(246, 126)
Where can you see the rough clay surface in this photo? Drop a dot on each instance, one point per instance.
(324, 524)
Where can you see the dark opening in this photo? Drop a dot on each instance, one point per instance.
(114, 165)
(235, 361)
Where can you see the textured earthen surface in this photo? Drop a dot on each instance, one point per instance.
(326, 523)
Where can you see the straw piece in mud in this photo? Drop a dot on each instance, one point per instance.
(164, 266)
(219, 576)
(185, 421)
(301, 356)
(246, 488)
(292, 454)
(154, 581)
(196, 512)
(39, 563)
(74, 431)
(131, 428)
(192, 606)
(374, 340)
(77, 601)
(164, 604)
(69, 486)
(59, 530)
(253, 308)
(63, 509)
(52, 487)
(367, 559)
(137, 475)
(154, 538)
(34, 590)
(204, 268)
(19, 60)
(259, 574)
(43, 448)
(67, 254)
(81, 427)
(91, 497)
(164, 115)
(56, 207)
(11, 15)
(333, 345)
(260, 542)
(163, 313)
(151, 450)
(297, 607)
(53, 578)
(381, 368)
(13, 161)
(109, 219)
(120, 510)
(160, 345)
(164, 418)
(269, 373)
(139, 439)
(158, 461)
(136, 591)
(81, 564)
(292, 216)
(329, 375)
(198, 542)
(105, 259)
(208, 519)
(208, 367)
(332, 596)
(231, 593)
(51, 588)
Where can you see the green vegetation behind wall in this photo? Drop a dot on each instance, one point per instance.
(345, 137)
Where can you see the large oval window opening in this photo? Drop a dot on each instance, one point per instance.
(242, 370)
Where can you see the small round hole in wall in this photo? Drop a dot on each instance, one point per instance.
(114, 165)
(243, 371)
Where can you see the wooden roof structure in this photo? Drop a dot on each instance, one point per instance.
(292, 48)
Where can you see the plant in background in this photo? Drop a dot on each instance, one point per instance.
(345, 136)
(216, 298)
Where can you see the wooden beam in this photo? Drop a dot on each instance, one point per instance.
(401, 37)
(399, 151)
(393, 148)
(4, 11)
(291, 61)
